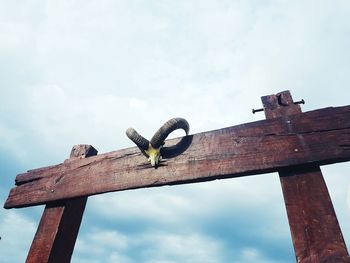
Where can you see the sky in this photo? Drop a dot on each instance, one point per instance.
(82, 72)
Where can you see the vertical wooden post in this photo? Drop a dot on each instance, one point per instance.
(313, 223)
(59, 225)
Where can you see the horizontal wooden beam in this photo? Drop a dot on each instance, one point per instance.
(315, 137)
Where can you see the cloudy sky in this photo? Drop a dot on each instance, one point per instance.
(76, 72)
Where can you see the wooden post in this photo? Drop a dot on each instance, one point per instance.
(59, 225)
(313, 223)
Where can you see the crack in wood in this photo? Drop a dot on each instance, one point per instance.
(325, 130)
(58, 179)
(345, 146)
(18, 183)
(122, 156)
(86, 165)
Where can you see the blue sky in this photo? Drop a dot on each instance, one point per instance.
(76, 72)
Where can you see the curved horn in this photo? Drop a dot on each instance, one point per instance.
(140, 141)
(168, 127)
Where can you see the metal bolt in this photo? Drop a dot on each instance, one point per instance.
(300, 102)
(254, 110)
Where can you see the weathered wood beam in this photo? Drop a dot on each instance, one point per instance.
(315, 230)
(314, 226)
(59, 225)
(320, 136)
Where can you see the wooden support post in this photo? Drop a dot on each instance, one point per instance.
(313, 223)
(59, 225)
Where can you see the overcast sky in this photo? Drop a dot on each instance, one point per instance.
(76, 72)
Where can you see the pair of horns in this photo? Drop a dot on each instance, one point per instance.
(159, 137)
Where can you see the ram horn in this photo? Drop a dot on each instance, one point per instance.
(168, 127)
(140, 141)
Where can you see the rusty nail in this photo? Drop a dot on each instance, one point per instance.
(254, 110)
(300, 102)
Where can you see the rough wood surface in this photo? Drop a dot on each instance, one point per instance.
(314, 226)
(315, 230)
(321, 136)
(59, 225)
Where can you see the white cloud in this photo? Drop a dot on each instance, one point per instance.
(179, 204)
(248, 255)
(181, 248)
(151, 62)
(17, 232)
(338, 186)
(100, 241)
(150, 247)
(83, 72)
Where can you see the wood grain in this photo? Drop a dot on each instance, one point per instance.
(315, 230)
(321, 137)
(59, 225)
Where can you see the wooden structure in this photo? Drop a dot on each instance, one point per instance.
(290, 142)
